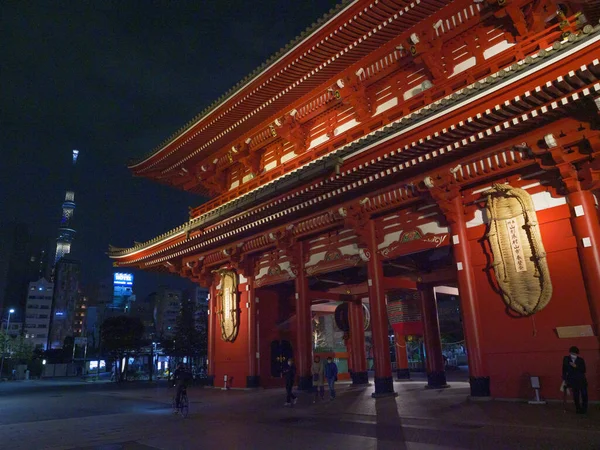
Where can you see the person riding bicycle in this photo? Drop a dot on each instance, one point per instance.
(180, 378)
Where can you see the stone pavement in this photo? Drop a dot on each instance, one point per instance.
(418, 419)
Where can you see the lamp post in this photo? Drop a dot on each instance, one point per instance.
(10, 312)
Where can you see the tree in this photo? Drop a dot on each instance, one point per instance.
(16, 350)
(191, 338)
(121, 335)
(21, 350)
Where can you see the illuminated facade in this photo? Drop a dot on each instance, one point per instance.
(394, 149)
(37, 316)
(122, 292)
(66, 232)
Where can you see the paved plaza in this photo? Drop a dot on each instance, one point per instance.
(74, 415)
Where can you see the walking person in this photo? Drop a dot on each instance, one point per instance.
(331, 372)
(318, 376)
(290, 378)
(573, 374)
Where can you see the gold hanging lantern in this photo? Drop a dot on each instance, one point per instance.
(228, 305)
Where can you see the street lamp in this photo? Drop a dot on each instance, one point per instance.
(10, 312)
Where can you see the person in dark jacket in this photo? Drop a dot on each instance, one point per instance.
(331, 372)
(573, 374)
(181, 378)
(290, 378)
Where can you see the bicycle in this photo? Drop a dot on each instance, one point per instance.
(184, 403)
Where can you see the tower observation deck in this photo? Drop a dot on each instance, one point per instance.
(66, 232)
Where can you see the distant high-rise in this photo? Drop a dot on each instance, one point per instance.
(66, 232)
(66, 296)
(24, 257)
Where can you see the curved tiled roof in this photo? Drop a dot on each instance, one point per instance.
(543, 59)
(360, 28)
(256, 72)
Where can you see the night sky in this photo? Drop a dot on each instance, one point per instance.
(114, 79)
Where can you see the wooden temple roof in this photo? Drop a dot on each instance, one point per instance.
(472, 121)
(341, 38)
(427, 138)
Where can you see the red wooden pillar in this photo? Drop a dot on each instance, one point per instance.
(402, 370)
(586, 227)
(384, 382)
(357, 343)
(436, 373)
(303, 325)
(253, 379)
(478, 376)
(212, 330)
(348, 344)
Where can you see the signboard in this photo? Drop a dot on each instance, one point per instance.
(123, 279)
(575, 331)
(80, 341)
(515, 245)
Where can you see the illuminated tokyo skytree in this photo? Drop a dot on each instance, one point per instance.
(65, 230)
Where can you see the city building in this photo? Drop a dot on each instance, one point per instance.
(66, 295)
(200, 295)
(143, 309)
(123, 295)
(167, 305)
(399, 146)
(66, 232)
(79, 321)
(39, 307)
(100, 297)
(92, 326)
(25, 257)
(15, 329)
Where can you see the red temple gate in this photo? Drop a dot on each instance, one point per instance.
(361, 160)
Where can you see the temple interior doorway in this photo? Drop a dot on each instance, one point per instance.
(281, 352)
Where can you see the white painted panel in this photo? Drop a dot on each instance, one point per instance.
(235, 184)
(543, 200)
(496, 49)
(349, 250)
(345, 127)
(434, 228)
(315, 258)
(271, 165)
(386, 105)
(448, 290)
(318, 141)
(247, 178)
(262, 272)
(389, 238)
(479, 219)
(285, 158)
(466, 64)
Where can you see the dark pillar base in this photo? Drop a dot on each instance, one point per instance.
(480, 386)
(210, 380)
(360, 377)
(305, 383)
(253, 381)
(436, 380)
(402, 374)
(384, 387)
